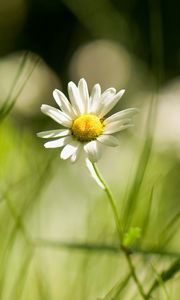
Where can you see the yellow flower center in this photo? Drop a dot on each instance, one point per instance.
(87, 127)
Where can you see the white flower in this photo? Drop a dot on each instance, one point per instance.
(83, 117)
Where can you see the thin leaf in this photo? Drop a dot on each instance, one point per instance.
(117, 289)
(9, 103)
(166, 275)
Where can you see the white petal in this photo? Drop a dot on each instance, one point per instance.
(93, 150)
(75, 156)
(111, 91)
(57, 115)
(58, 143)
(75, 98)
(93, 173)
(54, 133)
(110, 103)
(116, 126)
(83, 91)
(63, 103)
(107, 96)
(108, 140)
(127, 113)
(69, 150)
(95, 96)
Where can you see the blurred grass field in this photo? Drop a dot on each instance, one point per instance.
(58, 237)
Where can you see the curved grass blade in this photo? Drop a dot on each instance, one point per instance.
(161, 282)
(166, 275)
(170, 229)
(10, 101)
(117, 289)
(20, 281)
(19, 72)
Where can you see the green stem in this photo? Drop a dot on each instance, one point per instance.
(111, 201)
(120, 230)
(133, 274)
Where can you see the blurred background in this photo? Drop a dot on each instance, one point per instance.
(58, 237)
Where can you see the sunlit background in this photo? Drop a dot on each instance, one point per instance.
(58, 237)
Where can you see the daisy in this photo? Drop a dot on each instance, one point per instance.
(85, 125)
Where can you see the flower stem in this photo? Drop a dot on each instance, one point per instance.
(111, 201)
(133, 274)
(120, 231)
